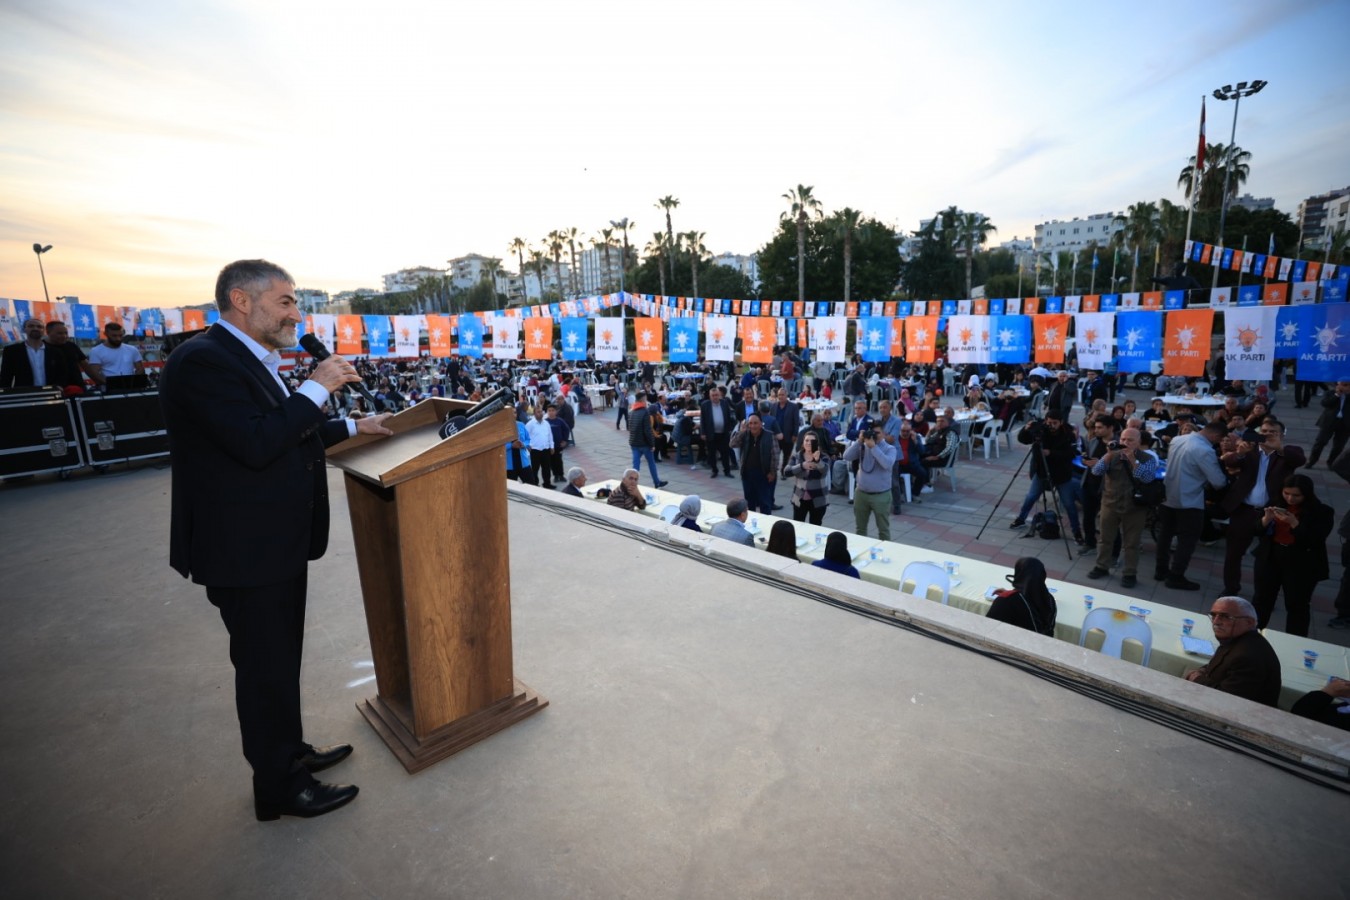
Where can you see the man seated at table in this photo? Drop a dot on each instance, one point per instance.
(1245, 664)
(576, 480)
(732, 527)
(909, 453)
(939, 444)
(628, 495)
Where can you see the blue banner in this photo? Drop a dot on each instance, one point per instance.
(1139, 340)
(948, 307)
(212, 316)
(874, 339)
(86, 323)
(997, 306)
(1334, 291)
(865, 309)
(1324, 346)
(684, 340)
(1052, 305)
(1174, 300)
(554, 311)
(1109, 303)
(1258, 263)
(1225, 261)
(377, 335)
(1249, 295)
(822, 309)
(1300, 270)
(791, 332)
(754, 307)
(23, 311)
(471, 336)
(1291, 323)
(151, 321)
(574, 334)
(904, 308)
(1011, 338)
(1197, 251)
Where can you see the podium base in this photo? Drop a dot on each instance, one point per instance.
(448, 740)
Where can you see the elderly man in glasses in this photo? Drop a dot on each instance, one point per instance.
(1245, 664)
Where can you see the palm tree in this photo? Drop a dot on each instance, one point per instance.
(1141, 230)
(1171, 229)
(623, 225)
(555, 242)
(972, 230)
(605, 240)
(537, 259)
(668, 203)
(847, 220)
(1220, 157)
(518, 245)
(657, 247)
(491, 266)
(572, 234)
(802, 206)
(694, 241)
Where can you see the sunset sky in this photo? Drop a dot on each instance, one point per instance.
(152, 142)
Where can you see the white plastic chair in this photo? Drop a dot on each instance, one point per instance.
(927, 575)
(1117, 626)
(669, 512)
(988, 437)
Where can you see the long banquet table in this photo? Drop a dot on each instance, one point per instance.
(974, 579)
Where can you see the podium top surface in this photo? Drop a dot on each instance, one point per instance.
(416, 446)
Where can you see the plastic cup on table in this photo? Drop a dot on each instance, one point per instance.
(952, 568)
(820, 538)
(1141, 612)
(1088, 600)
(1309, 659)
(1187, 626)
(874, 553)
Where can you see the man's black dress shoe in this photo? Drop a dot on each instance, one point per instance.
(315, 800)
(320, 758)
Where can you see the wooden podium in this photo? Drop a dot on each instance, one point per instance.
(429, 522)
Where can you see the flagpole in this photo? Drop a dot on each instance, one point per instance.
(1244, 261)
(1195, 176)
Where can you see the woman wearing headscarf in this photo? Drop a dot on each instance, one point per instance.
(687, 517)
(1028, 604)
(1292, 555)
(783, 540)
(836, 557)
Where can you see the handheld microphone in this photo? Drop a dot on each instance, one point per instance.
(315, 348)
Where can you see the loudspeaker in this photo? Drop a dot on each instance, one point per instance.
(122, 427)
(38, 436)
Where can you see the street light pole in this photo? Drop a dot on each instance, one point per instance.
(39, 250)
(1229, 92)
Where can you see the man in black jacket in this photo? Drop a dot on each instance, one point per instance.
(1052, 452)
(1333, 425)
(716, 421)
(1061, 396)
(250, 509)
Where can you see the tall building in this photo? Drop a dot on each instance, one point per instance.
(596, 277)
(746, 265)
(1312, 217)
(1074, 234)
(408, 279)
(1247, 201)
(311, 301)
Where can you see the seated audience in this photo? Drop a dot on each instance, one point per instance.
(836, 557)
(687, 517)
(1029, 603)
(783, 540)
(1245, 664)
(732, 527)
(628, 495)
(576, 480)
(1330, 705)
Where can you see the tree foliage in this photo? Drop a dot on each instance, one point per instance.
(876, 260)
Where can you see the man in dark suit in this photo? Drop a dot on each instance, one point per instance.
(714, 412)
(18, 360)
(1095, 389)
(1061, 396)
(789, 418)
(1245, 664)
(1333, 425)
(1247, 497)
(250, 509)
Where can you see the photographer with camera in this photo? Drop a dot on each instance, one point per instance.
(1053, 450)
(1103, 432)
(1124, 466)
(1259, 470)
(872, 493)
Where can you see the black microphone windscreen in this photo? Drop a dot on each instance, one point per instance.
(314, 347)
(453, 426)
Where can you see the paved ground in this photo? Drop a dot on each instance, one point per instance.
(951, 523)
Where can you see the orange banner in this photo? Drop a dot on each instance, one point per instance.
(1050, 330)
(1314, 269)
(801, 332)
(1186, 341)
(1275, 294)
(349, 329)
(438, 336)
(921, 339)
(1151, 300)
(979, 307)
(851, 309)
(1031, 306)
(194, 319)
(1091, 303)
(647, 335)
(539, 338)
(40, 310)
(897, 338)
(756, 341)
(105, 315)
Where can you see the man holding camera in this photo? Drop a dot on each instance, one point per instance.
(1259, 471)
(1124, 464)
(1051, 465)
(872, 493)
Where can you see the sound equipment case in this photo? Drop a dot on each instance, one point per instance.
(121, 427)
(38, 435)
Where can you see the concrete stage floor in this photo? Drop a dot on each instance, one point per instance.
(707, 736)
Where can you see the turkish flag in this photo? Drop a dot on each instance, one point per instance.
(539, 338)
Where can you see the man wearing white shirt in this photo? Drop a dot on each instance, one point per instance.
(541, 446)
(112, 357)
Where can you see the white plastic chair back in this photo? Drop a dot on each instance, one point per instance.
(669, 512)
(1117, 626)
(988, 436)
(926, 575)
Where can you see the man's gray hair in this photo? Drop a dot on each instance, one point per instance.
(574, 473)
(736, 507)
(627, 472)
(249, 275)
(1246, 608)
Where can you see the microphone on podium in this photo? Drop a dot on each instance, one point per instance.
(493, 403)
(315, 348)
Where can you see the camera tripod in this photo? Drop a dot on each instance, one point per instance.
(1047, 490)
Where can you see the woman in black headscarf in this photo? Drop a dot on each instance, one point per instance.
(1028, 604)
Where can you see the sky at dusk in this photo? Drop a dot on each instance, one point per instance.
(151, 142)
